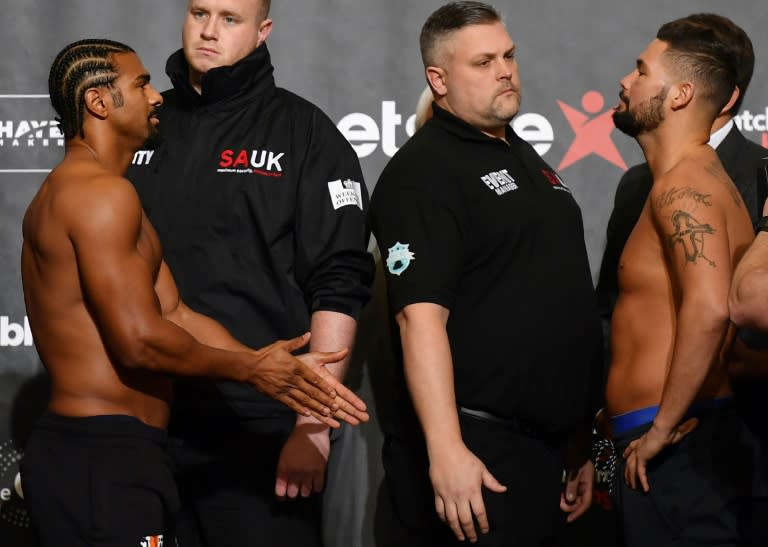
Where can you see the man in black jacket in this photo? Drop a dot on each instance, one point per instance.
(259, 202)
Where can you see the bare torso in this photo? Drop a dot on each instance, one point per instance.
(646, 327)
(86, 380)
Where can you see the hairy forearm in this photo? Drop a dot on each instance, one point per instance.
(331, 331)
(429, 375)
(700, 333)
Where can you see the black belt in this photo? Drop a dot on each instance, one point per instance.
(513, 424)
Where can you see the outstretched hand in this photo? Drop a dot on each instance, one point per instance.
(348, 407)
(304, 385)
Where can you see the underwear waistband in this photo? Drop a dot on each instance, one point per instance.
(629, 420)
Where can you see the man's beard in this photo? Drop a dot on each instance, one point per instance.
(646, 116)
(153, 140)
(154, 136)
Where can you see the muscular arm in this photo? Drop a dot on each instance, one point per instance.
(115, 248)
(698, 255)
(325, 363)
(692, 230)
(457, 475)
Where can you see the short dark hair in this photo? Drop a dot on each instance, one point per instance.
(450, 18)
(713, 51)
(78, 67)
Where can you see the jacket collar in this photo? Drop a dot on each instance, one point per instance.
(249, 77)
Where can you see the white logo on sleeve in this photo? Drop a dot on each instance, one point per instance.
(399, 258)
(347, 192)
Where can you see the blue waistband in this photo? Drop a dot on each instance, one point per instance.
(629, 420)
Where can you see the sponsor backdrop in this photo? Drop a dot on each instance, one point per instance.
(359, 61)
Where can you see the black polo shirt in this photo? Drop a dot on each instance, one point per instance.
(491, 232)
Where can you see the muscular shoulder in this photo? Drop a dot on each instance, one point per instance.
(97, 202)
(698, 179)
(696, 199)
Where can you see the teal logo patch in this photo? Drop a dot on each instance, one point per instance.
(399, 258)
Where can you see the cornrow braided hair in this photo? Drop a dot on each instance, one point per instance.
(78, 67)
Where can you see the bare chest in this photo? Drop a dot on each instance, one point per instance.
(642, 267)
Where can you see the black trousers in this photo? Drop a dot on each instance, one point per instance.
(227, 486)
(696, 487)
(102, 481)
(526, 515)
(752, 407)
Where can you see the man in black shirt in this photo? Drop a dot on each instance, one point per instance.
(489, 284)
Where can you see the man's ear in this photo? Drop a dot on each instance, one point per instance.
(265, 27)
(437, 79)
(682, 94)
(735, 94)
(94, 102)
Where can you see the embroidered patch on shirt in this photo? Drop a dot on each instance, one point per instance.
(500, 182)
(399, 258)
(555, 180)
(151, 541)
(347, 192)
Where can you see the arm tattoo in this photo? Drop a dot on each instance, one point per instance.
(690, 234)
(673, 194)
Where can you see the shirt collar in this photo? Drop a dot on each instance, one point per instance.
(464, 130)
(716, 138)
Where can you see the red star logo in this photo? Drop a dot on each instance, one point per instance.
(593, 136)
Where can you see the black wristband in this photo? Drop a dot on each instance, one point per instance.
(762, 225)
